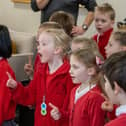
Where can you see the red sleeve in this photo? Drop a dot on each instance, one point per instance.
(25, 95)
(96, 114)
(65, 109)
(111, 115)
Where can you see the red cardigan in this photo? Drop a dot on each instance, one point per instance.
(87, 110)
(58, 88)
(119, 121)
(103, 41)
(7, 105)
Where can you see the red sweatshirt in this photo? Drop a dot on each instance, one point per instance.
(56, 87)
(7, 105)
(102, 41)
(87, 110)
(119, 121)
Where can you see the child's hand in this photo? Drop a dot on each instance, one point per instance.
(55, 114)
(11, 83)
(107, 104)
(28, 68)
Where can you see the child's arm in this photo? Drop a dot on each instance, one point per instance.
(20, 94)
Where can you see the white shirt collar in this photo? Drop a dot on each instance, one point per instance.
(120, 110)
(81, 93)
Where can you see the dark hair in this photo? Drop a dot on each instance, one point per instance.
(5, 42)
(114, 69)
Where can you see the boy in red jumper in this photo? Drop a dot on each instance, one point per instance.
(104, 19)
(114, 70)
(52, 81)
(7, 105)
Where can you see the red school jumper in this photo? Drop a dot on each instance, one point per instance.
(102, 41)
(7, 105)
(56, 87)
(119, 121)
(87, 109)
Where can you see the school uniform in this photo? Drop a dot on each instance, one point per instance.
(102, 41)
(85, 109)
(121, 117)
(54, 87)
(7, 105)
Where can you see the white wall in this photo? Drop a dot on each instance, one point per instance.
(20, 17)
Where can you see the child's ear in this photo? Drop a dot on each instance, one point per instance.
(58, 50)
(117, 89)
(123, 48)
(91, 71)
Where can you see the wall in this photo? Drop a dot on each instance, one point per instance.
(20, 17)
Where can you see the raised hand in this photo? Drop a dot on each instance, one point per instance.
(11, 83)
(28, 68)
(55, 114)
(107, 105)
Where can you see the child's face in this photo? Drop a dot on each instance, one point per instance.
(78, 70)
(102, 22)
(46, 47)
(109, 91)
(112, 47)
(76, 46)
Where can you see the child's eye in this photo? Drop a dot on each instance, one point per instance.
(103, 21)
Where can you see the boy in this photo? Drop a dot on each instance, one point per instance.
(114, 70)
(104, 19)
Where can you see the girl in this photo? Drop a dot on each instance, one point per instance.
(51, 82)
(85, 101)
(117, 43)
(7, 105)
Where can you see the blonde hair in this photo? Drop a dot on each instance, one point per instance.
(61, 39)
(120, 36)
(106, 8)
(88, 44)
(48, 25)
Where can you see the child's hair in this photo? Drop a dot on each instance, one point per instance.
(5, 42)
(88, 44)
(61, 39)
(65, 19)
(88, 58)
(50, 24)
(120, 36)
(114, 69)
(106, 8)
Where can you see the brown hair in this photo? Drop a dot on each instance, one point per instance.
(65, 19)
(88, 58)
(106, 8)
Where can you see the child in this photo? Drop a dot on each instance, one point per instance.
(117, 43)
(7, 105)
(85, 101)
(104, 19)
(65, 19)
(85, 43)
(28, 68)
(52, 81)
(114, 70)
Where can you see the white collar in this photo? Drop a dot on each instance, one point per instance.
(120, 110)
(81, 93)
